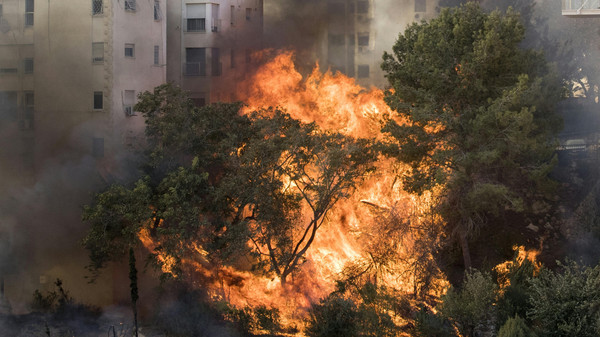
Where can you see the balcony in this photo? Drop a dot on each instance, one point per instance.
(581, 8)
(194, 69)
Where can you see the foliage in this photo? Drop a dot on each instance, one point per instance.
(470, 308)
(566, 303)
(355, 310)
(267, 319)
(190, 313)
(428, 324)
(475, 115)
(218, 180)
(515, 327)
(61, 306)
(514, 298)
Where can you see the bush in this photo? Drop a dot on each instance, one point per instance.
(334, 316)
(471, 307)
(515, 327)
(267, 319)
(428, 324)
(566, 303)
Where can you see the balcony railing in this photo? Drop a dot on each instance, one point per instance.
(578, 8)
(194, 69)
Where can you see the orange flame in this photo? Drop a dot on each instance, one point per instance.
(356, 226)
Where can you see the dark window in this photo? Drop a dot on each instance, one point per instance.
(156, 55)
(8, 105)
(98, 100)
(336, 40)
(98, 147)
(29, 12)
(129, 50)
(130, 5)
(0, 10)
(97, 7)
(199, 102)
(28, 66)
(232, 15)
(195, 59)
(363, 71)
(157, 12)
(362, 7)
(420, 5)
(363, 39)
(215, 62)
(9, 70)
(196, 25)
(28, 110)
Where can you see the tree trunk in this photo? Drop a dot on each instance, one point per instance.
(134, 288)
(464, 245)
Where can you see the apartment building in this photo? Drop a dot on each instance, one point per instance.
(70, 72)
(359, 31)
(211, 45)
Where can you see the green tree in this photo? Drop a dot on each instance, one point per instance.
(218, 180)
(515, 327)
(566, 303)
(475, 115)
(472, 307)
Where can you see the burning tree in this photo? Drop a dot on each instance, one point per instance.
(221, 185)
(479, 116)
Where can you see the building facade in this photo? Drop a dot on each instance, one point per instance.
(70, 72)
(211, 44)
(360, 31)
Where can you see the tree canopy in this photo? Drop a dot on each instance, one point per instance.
(220, 185)
(475, 116)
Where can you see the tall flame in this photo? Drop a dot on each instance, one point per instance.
(379, 210)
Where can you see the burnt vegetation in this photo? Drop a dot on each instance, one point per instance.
(223, 196)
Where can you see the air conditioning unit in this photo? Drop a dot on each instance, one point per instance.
(129, 111)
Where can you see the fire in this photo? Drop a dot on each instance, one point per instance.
(373, 231)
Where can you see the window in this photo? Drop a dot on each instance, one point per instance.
(248, 14)
(130, 5)
(196, 17)
(232, 59)
(28, 12)
(362, 7)
(215, 22)
(129, 50)
(98, 147)
(128, 102)
(8, 105)
(157, 12)
(420, 5)
(28, 105)
(97, 7)
(1, 10)
(336, 40)
(195, 62)
(98, 52)
(9, 70)
(363, 71)
(98, 100)
(232, 15)
(199, 101)
(363, 39)
(215, 62)
(28, 66)
(156, 55)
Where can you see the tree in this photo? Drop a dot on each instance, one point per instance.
(566, 303)
(217, 180)
(471, 307)
(475, 116)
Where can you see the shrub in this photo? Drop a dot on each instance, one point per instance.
(515, 327)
